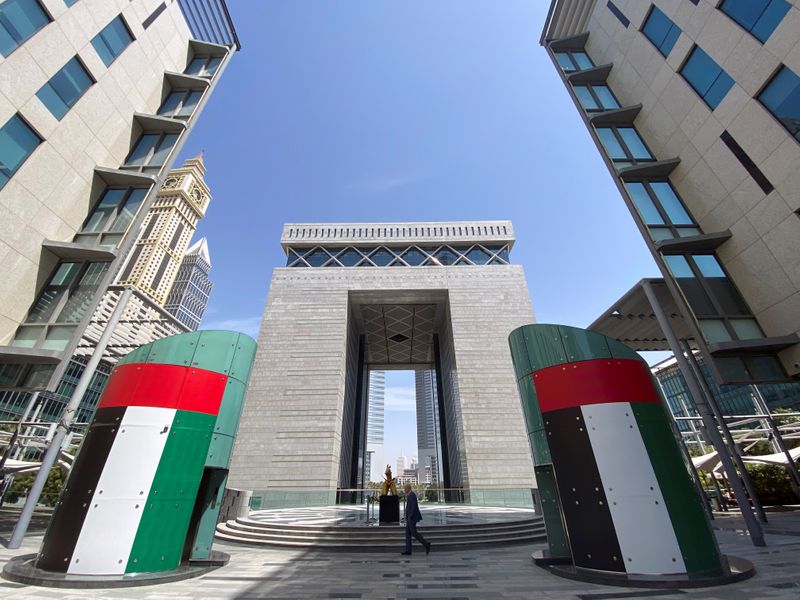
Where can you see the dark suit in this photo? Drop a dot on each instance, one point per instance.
(413, 516)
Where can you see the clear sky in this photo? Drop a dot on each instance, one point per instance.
(379, 110)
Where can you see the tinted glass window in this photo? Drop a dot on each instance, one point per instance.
(317, 257)
(782, 99)
(381, 257)
(634, 143)
(611, 144)
(759, 17)
(171, 103)
(659, 29)
(413, 257)
(706, 77)
(670, 203)
(19, 20)
(478, 256)
(585, 97)
(565, 61)
(112, 40)
(605, 96)
(644, 204)
(582, 60)
(17, 142)
(65, 88)
(349, 257)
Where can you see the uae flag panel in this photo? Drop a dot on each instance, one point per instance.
(127, 505)
(626, 499)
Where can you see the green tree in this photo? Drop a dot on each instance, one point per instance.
(52, 487)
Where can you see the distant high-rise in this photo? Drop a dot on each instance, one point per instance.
(188, 297)
(427, 426)
(168, 227)
(374, 464)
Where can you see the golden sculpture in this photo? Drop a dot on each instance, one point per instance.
(389, 483)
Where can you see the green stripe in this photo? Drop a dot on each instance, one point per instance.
(162, 531)
(692, 529)
(551, 512)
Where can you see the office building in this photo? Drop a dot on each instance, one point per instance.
(427, 426)
(694, 106)
(191, 289)
(100, 98)
(360, 297)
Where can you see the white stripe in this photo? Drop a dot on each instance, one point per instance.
(106, 538)
(644, 530)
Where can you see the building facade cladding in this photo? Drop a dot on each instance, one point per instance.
(104, 139)
(690, 81)
(299, 413)
(190, 292)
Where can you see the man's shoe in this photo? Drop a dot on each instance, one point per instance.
(405, 553)
(428, 548)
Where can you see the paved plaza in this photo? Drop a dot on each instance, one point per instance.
(480, 574)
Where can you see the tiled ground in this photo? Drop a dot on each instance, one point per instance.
(478, 574)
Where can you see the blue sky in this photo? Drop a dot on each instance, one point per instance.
(391, 111)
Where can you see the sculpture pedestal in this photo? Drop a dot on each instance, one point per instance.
(389, 509)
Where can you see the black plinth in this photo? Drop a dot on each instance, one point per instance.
(389, 509)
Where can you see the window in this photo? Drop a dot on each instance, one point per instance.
(574, 60)
(720, 309)
(659, 29)
(623, 145)
(70, 2)
(595, 97)
(17, 143)
(151, 152)
(112, 216)
(203, 66)
(65, 88)
(759, 17)
(19, 20)
(112, 40)
(706, 77)
(61, 305)
(661, 210)
(180, 103)
(782, 98)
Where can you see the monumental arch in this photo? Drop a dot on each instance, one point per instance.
(360, 296)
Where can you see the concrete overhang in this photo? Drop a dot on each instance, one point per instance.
(202, 47)
(29, 356)
(566, 19)
(755, 346)
(647, 170)
(619, 116)
(120, 177)
(706, 242)
(156, 123)
(186, 82)
(631, 319)
(597, 74)
(74, 251)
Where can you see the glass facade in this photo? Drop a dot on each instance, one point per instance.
(659, 29)
(759, 17)
(180, 103)
(405, 256)
(19, 20)
(112, 216)
(782, 98)
(623, 146)
(661, 210)
(595, 97)
(65, 88)
(574, 60)
(706, 77)
(151, 152)
(203, 66)
(17, 143)
(112, 40)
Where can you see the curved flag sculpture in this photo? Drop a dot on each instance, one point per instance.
(145, 491)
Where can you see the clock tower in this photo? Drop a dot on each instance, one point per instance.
(167, 230)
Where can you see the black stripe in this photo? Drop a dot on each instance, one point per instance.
(747, 163)
(154, 15)
(70, 512)
(591, 532)
(618, 13)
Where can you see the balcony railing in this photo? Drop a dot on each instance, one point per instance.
(210, 21)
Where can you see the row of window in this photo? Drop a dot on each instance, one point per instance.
(719, 308)
(407, 256)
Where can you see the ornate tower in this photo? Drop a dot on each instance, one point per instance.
(168, 228)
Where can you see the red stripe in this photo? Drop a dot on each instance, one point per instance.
(165, 386)
(599, 381)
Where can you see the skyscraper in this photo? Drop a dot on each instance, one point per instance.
(103, 96)
(694, 106)
(427, 426)
(169, 225)
(375, 423)
(188, 298)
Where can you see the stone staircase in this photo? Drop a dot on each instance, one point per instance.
(388, 538)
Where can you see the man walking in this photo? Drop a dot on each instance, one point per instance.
(413, 516)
